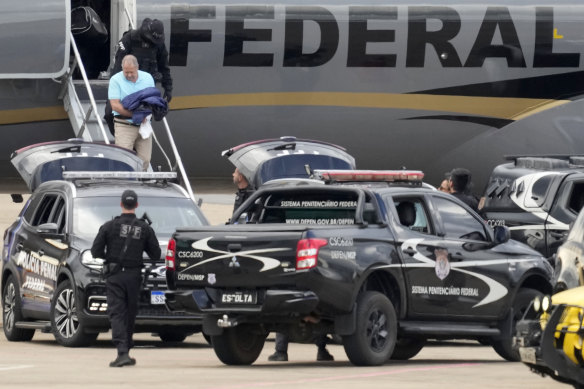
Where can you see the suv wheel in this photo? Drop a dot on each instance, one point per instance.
(12, 313)
(68, 330)
(374, 339)
(504, 346)
(240, 345)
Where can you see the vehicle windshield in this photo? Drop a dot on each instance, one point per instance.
(166, 214)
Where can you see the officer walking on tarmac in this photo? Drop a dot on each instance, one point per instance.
(121, 242)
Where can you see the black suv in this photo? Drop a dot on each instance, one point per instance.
(537, 198)
(50, 280)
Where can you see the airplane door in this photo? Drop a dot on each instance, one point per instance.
(34, 38)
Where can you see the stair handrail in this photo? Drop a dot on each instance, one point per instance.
(89, 91)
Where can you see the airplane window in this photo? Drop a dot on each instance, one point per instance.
(458, 222)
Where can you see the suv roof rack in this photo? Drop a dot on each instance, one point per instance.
(547, 162)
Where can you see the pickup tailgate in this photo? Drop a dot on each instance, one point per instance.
(219, 256)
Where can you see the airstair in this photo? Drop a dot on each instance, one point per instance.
(84, 101)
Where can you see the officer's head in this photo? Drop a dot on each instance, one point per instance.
(130, 67)
(459, 179)
(153, 31)
(129, 200)
(239, 179)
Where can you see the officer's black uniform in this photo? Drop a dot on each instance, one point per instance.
(124, 278)
(469, 200)
(241, 195)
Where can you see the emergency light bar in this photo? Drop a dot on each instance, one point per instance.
(127, 175)
(370, 175)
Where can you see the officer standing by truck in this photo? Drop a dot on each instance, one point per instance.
(121, 242)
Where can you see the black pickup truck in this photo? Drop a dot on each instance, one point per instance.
(537, 197)
(375, 257)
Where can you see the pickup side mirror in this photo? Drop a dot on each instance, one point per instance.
(242, 219)
(502, 234)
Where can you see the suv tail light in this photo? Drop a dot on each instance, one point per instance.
(307, 252)
(170, 250)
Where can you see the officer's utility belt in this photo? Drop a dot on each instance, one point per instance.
(111, 268)
(124, 120)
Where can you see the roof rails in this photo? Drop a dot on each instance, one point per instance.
(410, 176)
(547, 162)
(144, 176)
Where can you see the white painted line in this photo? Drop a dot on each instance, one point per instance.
(14, 367)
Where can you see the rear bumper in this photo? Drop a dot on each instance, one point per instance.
(270, 302)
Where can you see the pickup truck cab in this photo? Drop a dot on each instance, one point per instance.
(375, 257)
(537, 198)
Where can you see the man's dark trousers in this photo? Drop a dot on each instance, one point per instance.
(123, 290)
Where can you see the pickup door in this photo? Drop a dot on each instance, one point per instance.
(450, 265)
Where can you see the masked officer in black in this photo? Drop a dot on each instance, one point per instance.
(121, 242)
(147, 45)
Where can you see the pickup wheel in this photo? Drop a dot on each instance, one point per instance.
(240, 345)
(68, 330)
(406, 348)
(504, 346)
(12, 313)
(374, 339)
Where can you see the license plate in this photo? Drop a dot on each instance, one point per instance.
(527, 354)
(157, 297)
(239, 297)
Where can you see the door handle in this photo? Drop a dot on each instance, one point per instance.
(410, 251)
(457, 257)
(234, 247)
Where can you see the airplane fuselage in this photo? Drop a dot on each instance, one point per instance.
(429, 87)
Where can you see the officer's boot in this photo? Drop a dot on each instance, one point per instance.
(123, 359)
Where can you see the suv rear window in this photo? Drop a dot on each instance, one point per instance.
(308, 208)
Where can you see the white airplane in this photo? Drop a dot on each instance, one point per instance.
(429, 87)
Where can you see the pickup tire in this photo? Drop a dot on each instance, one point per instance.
(406, 348)
(375, 336)
(68, 330)
(12, 313)
(504, 346)
(240, 345)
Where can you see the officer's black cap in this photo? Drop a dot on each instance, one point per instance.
(156, 31)
(129, 199)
